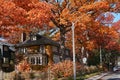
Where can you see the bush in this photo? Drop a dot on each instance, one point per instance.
(63, 69)
(37, 67)
(23, 66)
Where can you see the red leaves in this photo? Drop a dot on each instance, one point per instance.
(112, 45)
(116, 25)
(106, 18)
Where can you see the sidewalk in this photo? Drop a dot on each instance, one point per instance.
(97, 77)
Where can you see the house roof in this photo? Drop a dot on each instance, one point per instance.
(11, 46)
(41, 40)
(5, 43)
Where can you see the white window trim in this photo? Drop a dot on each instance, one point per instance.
(39, 58)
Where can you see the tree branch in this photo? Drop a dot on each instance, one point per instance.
(55, 22)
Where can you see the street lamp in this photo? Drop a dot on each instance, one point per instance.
(73, 43)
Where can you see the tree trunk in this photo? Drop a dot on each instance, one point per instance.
(62, 43)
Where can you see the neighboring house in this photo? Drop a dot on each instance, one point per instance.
(37, 52)
(7, 56)
(117, 61)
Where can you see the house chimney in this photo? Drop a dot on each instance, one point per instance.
(23, 37)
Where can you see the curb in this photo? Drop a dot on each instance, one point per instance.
(97, 77)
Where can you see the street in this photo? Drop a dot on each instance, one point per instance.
(112, 76)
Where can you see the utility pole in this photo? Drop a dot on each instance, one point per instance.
(100, 56)
(73, 43)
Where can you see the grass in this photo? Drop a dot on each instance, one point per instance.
(90, 75)
(81, 76)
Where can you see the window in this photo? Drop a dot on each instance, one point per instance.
(45, 60)
(35, 60)
(23, 50)
(38, 60)
(32, 60)
(42, 49)
(33, 38)
(5, 60)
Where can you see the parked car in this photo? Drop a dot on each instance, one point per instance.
(116, 68)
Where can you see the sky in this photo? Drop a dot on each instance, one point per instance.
(117, 17)
(2, 39)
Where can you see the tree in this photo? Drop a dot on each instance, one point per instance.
(90, 31)
(69, 11)
(22, 16)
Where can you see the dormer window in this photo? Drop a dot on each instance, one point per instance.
(33, 38)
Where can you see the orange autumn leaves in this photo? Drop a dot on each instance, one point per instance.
(23, 66)
(96, 6)
(16, 14)
(39, 14)
(10, 14)
(91, 37)
(89, 32)
(63, 69)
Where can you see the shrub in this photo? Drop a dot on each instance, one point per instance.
(37, 67)
(63, 69)
(23, 66)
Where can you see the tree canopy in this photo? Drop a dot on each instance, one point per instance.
(90, 18)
